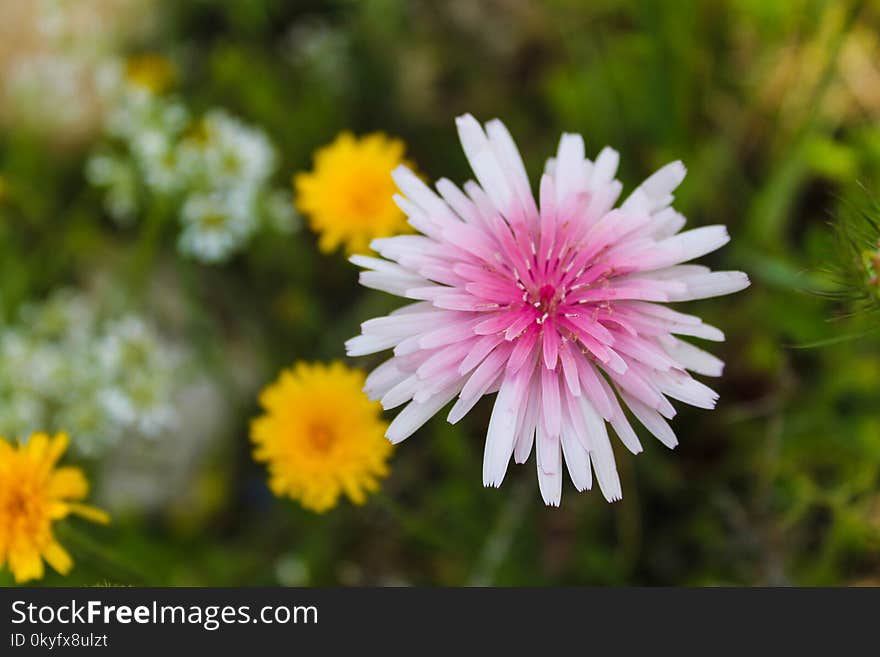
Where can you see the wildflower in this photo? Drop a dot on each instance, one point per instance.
(68, 362)
(215, 225)
(34, 493)
(556, 308)
(131, 353)
(120, 180)
(154, 150)
(348, 196)
(320, 436)
(214, 171)
(234, 153)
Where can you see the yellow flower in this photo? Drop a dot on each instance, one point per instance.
(348, 197)
(321, 436)
(33, 495)
(151, 72)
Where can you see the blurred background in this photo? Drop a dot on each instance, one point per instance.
(149, 340)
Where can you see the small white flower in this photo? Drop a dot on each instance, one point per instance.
(127, 344)
(236, 153)
(120, 181)
(156, 155)
(216, 225)
(118, 406)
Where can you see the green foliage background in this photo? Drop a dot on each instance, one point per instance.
(771, 107)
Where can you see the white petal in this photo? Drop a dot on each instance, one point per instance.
(604, 168)
(362, 345)
(390, 283)
(418, 218)
(569, 167)
(386, 276)
(618, 420)
(549, 467)
(683, 387)
(401, 393)
(378, 264)
(401, 326)
(502, 430)
(665, 180)
(577, 460)
(484, 163)
(693, 358)
(411, 418)
(510, 159)
(526, 434)
(652, 421)
(625, 432)
(400, 246)
(458, 201)
(383, 378)
(481, 201)
(601, 453)
(689, 245)
(666, 223)
(418, 307)
(705, 331)
(420, 194)
(714, 284)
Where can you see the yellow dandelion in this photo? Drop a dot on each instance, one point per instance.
(151, 72)
(33, 495)
(348, 197)
(320, 436)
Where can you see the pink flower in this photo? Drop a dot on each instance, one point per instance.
(556, 307)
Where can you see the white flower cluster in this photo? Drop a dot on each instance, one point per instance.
(214, 170)
(65, 367)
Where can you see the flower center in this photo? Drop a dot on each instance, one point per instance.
(365, 196)
(214, 221)
(18, 506)
(546, 301)
(321, 438)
